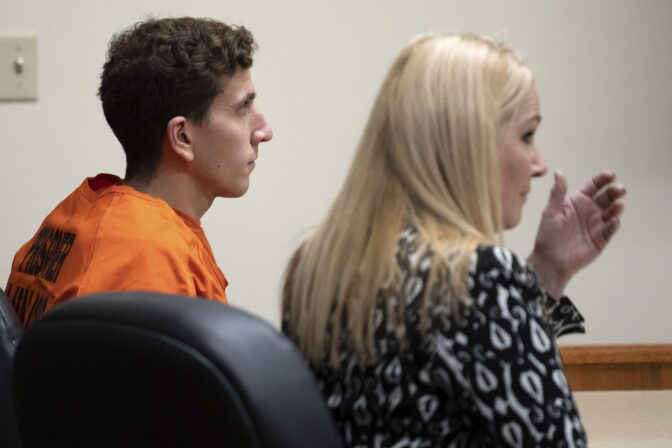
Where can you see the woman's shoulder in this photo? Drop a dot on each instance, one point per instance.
(497, 259)
(493, 265)
(489, 264)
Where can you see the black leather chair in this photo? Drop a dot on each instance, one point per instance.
(151, 370)
(10, 334)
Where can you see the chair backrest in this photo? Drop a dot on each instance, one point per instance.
(150, 370)
(10, 334)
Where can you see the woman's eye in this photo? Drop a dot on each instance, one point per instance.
(528, 137)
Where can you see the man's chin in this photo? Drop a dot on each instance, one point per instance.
(233, 194)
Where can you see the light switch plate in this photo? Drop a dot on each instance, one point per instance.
(18, 66)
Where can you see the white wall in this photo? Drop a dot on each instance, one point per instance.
(604, 70)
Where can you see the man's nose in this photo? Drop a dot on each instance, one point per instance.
(264, 133)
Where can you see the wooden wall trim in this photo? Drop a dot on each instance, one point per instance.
(616, 354)
(618, 367)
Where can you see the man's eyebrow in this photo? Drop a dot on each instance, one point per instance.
(248, 97)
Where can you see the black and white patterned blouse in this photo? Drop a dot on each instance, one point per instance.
(490, 377)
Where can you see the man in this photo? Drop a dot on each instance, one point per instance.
(179, 97)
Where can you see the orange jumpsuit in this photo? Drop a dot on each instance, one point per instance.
(109, 237)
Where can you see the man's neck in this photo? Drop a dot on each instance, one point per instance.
(177, 189)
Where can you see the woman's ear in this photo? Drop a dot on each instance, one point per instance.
(178, 138)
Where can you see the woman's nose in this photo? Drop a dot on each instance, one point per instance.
(539, 168)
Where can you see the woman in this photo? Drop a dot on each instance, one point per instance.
(421, 330)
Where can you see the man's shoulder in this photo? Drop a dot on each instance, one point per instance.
(134, 220)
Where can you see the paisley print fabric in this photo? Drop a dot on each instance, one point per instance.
(490, 377)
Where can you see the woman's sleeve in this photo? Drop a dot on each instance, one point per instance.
(502, 356)
(562, 316)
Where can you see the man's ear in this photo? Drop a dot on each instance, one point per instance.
(179, 139)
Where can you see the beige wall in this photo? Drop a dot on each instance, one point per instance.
(604, 70)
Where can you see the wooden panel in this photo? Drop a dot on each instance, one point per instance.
(618, 367)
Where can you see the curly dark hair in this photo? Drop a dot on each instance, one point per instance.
(161, 68)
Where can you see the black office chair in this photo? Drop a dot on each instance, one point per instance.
(10, 334)
(152, 370)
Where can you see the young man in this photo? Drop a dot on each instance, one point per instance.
(179, 97)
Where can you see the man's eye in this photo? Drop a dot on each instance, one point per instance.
(242, 110)
(528, 137)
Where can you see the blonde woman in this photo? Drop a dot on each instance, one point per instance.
(422, 330)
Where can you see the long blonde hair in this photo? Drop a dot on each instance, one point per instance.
(428, 157)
